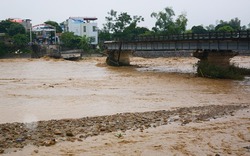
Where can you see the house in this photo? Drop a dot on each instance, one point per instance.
(25, 22)
(83, 26)
(45, 34)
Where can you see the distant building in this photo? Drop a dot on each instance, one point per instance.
(83, 26)
(25, 22)
(45, 34)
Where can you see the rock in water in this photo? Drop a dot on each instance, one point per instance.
(69, 133)
(1, 151)
(57, 132)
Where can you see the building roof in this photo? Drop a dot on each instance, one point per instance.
(84, 18)
(43, 27)
(18, 20)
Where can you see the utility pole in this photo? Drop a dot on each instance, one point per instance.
(55, 35)
(31, 34)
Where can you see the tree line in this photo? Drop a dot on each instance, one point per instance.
(118, 25)
(125, 26)
(15, 37)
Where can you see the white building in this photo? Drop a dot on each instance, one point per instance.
(83, 26)
(44, 35)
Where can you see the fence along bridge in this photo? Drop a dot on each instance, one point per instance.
(218, 45)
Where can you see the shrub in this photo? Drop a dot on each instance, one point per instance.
(206, 69)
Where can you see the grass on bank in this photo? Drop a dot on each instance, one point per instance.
(206, 69)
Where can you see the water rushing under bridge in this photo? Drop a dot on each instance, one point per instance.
(216, 44)
(239, 40)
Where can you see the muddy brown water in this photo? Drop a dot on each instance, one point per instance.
(44, 89)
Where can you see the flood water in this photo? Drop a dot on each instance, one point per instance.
(44, 89)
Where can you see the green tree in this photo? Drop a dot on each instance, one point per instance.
(109, 26)
(15, 33)
(181, 23)
(70, 40)
(20, 40)
(84, 43)
(104, 35)
(221, 23)
(199, 29)
(148, 33)
(3, 48)
(189, 31)
(54, 24)
(233, 23)
(132, 31)
(140, 31)
(4, 26)
(225, 28)
(165, 22)
(122, 21)
(119, 26)
(16, 28)
(210, 28)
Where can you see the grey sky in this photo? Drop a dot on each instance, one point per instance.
(198, 11)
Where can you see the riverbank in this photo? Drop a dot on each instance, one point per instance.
(18, 138)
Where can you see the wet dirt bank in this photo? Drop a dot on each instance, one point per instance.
(16, 136)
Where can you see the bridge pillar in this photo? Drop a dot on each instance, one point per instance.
(118, 57)
(217, 57)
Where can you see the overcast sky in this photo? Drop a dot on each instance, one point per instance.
(198, 12)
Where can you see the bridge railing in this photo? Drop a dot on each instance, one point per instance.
(191, 36)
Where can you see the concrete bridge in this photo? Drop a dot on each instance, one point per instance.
(215, 47)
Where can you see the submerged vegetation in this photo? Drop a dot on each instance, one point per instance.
(209, 70)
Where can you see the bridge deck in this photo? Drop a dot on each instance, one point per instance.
(239, 40)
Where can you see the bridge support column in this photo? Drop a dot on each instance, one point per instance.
(215, 57)
(118, 57)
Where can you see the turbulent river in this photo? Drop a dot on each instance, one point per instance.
(44, 89)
